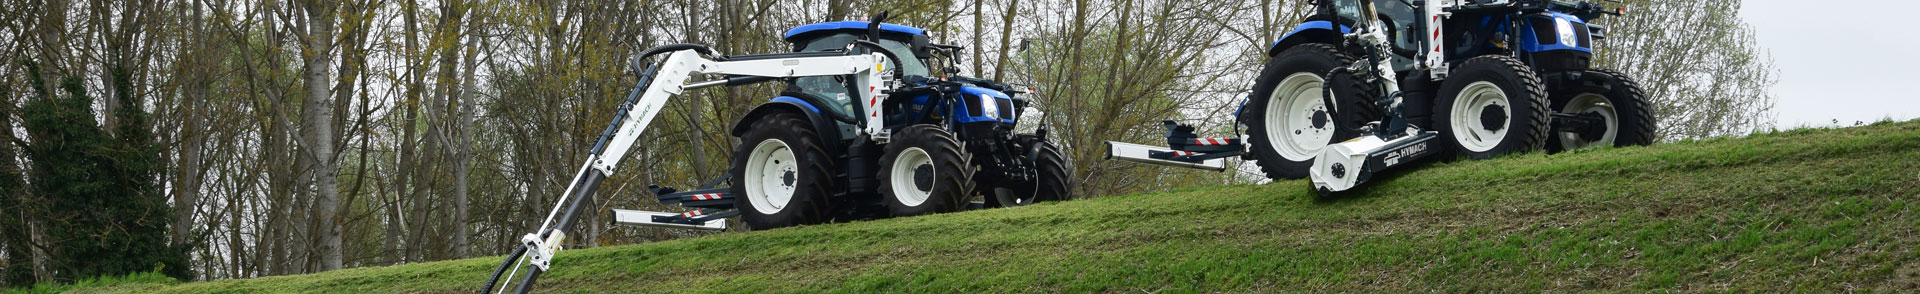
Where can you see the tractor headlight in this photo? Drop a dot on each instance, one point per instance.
(989, 107)
(1565, 29)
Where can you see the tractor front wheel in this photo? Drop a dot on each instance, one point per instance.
(1490, 106)
(781, 174)
(1053, 175)
(925, 172)
(1626, 119)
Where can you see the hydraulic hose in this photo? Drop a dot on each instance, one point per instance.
(1326, 92)
(504, 265)
(639, 61)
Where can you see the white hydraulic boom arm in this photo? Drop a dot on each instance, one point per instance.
(658, 85)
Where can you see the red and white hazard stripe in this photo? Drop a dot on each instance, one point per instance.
(1211, 141)
(709, 196)
(690, 214)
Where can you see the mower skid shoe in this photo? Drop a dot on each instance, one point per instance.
(651, 219)
(1340, 167)
(1161, 156)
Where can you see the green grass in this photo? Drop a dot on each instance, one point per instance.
(139, 282)
(1795, 211)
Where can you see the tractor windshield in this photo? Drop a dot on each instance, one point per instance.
(1349, 9)
(910, 66)
(837, 88)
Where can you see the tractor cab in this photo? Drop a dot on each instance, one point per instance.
(906, 42)
(922, 64)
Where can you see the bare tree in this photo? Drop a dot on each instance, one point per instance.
(316, 32)
(1699, 63)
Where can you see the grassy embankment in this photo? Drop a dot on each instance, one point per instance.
(1806, 210)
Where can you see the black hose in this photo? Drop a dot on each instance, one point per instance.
(899, 74)
(1326, 92)
(504, 265)
(639, 60)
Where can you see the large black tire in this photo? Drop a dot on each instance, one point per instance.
(1512, 119)
(1054, 174)
(933, 175)
(793, 162)
(1286, 94)
(1630, 116)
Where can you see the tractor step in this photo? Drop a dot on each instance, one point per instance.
(1184, 149)
(697, 219)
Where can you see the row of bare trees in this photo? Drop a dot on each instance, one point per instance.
(311, 135)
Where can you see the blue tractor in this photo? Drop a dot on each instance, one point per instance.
(943, 137)
(874, 122)
(1366, 85)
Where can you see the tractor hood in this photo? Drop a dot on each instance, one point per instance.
(977, 91)
(997, 109)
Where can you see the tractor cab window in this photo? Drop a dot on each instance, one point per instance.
(1397, 15)
(911, 66)
(1399, 18)
(837, 88)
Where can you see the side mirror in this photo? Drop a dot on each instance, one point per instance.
(922, 47)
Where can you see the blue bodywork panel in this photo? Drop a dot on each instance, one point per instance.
(795, 100)
(1307, 26)
(971, 95)
(1530, 43)
(851, 25)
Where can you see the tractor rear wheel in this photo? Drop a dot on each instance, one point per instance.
(924, 171)
(1623, 107)
(1287, 118)
(1054, 175)
(781, 174)
(1490, 106)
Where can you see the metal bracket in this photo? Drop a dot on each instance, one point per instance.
(540, 252)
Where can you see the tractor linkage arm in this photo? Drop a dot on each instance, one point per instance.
(658, 84)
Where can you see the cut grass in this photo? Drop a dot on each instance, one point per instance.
(1800, 211)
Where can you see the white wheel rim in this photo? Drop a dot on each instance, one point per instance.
(1591, 103)
(1291, 111)
(902, 176)
(1472, 103)
(771, 176)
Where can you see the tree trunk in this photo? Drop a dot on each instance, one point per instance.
(193, 136)
(404, 170)
(38, 254)
(459, 103)
(1006, 39)
(318, 130)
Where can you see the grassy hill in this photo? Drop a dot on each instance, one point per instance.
(1807, 210)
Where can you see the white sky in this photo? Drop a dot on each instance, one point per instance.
(1852, 60)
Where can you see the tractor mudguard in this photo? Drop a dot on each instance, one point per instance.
(1313, 31)
(828, 132)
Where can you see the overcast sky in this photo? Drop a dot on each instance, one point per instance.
(1852, 60)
